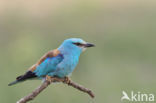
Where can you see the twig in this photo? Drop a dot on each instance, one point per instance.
(45, 84)
(81, 88)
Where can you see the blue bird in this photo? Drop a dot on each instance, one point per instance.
(57, 63)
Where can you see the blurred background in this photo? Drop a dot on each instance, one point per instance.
(124, 58)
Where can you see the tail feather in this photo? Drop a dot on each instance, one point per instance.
(12, 83)
(24, 77)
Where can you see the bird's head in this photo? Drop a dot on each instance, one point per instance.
(75, 45)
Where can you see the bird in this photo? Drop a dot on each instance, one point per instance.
(59, 62)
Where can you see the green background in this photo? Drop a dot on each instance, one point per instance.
(124, 58)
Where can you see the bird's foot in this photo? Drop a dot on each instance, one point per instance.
(56, 79)
(48, 78)
(67, 80)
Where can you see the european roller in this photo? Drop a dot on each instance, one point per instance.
(59, 62)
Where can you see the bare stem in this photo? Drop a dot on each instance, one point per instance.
(45, 84)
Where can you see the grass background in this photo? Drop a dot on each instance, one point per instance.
(124, 58)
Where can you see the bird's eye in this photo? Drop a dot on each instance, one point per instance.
(78, 44)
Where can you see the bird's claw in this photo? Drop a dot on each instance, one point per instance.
(67, 80)
(49, 79)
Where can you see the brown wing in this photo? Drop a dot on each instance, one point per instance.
(51, 53)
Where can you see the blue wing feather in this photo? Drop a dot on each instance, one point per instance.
(48, 65)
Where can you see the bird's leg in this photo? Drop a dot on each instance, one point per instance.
(58, 79)
(67, 80)
(48, 78)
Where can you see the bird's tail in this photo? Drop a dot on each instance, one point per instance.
(24, 77)
(12, 83)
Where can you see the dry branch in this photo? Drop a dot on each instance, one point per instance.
(45, 84)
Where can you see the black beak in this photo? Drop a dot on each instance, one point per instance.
(89, 45)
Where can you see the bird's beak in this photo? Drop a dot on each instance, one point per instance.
(89, 45)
